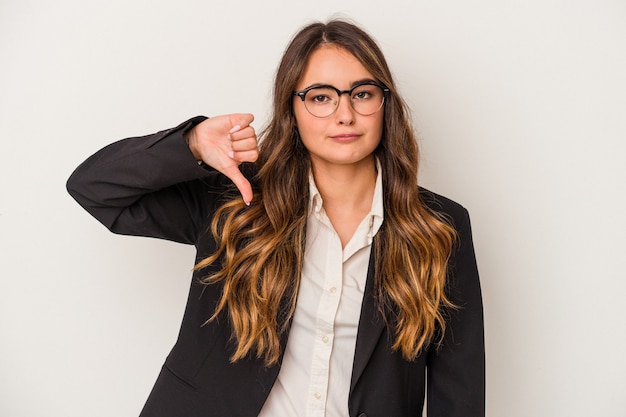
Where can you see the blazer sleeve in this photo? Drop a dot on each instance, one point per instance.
(456, 371)
(147, 186)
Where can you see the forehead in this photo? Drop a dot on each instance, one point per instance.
(334, 65)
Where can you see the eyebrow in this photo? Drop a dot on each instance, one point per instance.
(357, 82)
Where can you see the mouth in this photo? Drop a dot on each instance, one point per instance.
(347, 137)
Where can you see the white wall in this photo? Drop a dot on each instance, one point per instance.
(522, 110)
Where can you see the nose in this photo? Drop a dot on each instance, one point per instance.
(344, 113)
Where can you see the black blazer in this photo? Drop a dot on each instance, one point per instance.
(152, 186)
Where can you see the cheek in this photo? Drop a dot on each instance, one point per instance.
(377, 125)
(301, 118)
(309, 126)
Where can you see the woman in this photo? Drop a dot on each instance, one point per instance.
(327, 283)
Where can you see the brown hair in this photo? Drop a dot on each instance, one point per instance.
(261, 247)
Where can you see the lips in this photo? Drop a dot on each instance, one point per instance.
(346, 137)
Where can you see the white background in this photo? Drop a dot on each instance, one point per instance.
(521, 109)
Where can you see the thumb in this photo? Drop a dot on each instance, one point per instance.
(241, 119)
(242, 184)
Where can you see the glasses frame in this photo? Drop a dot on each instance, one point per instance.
(302, 94)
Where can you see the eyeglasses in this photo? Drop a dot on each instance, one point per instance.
(366, 98)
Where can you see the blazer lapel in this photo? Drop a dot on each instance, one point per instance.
(371, 325)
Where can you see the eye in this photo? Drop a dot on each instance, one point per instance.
(364, 93)
(319, 99)
(321, 96)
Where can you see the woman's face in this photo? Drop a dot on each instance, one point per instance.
(345, 137)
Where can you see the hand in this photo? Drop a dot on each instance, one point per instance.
(224, 142)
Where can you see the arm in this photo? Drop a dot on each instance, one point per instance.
(153, 185)
(456, 371)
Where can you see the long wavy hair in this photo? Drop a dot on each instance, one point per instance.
(261, 247)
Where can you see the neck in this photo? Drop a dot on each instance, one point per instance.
(348, 186)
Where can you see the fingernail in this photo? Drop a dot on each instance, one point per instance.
(231, 155)
(235, 128)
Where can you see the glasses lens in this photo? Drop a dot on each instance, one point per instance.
(367, 99)
(321, 102)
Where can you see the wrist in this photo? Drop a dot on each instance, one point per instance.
(190, 138)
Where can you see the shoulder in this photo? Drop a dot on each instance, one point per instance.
(458, 217)
(443, 205)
